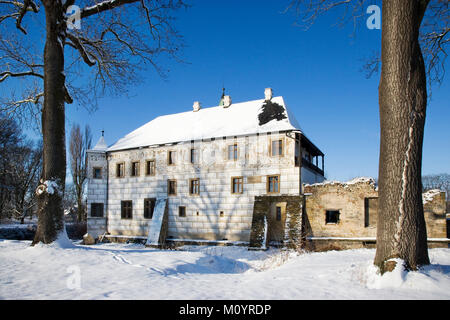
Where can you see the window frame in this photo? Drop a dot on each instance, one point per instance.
(194, 156)
(151, 207)
(241, 184)
(147, 167)
(102, 209)
(184, 211)
(235, 152)
(171, 161)
(332, 211)
(123, 169)
(191, 181)
(124, 214)
(271, 149)
(268, 183)
(278, 213)
(133, 167)
(168, 187)
(93, 173)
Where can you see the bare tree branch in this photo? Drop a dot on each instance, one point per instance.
(27, 4)
(7, 74)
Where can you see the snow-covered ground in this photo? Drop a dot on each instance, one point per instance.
(131, 271)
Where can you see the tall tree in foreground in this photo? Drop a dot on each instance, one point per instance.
(115, 39)
(401, 229)
(79, 143)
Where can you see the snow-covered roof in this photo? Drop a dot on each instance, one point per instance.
(101, 145)
(237, 119)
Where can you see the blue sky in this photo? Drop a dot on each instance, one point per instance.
(251, 45)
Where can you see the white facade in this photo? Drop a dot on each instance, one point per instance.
(216, 213)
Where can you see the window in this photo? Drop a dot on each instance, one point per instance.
(237, 184)
(120, 172)
(221, 214)
(182, 211)
(172, 187)
(370, 212)
(97, 210)
(278, 213)
(97, 173)
(194, 186)
(171, 157)
(194, 156)
(273, 184)
(233, 152)
(332, 216)
(135, 169)
(277, 148)
(149, 207)
(150, 168)
(126, 211)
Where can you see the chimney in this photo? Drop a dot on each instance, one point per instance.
(196, 106)
(226, 101)
(268, 93)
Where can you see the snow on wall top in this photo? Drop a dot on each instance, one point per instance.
(368, 180)
(429, 195)
(237, 119)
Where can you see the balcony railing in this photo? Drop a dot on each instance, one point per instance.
(310, 165)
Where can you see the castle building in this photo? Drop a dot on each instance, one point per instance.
(196, 175)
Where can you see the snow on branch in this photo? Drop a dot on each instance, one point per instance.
(76, 43)
(6, 74)
(103, 6)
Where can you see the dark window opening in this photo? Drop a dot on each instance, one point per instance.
(172, 187)
(120, 172)
(126, 210)
(135, 169)
(97, 173)
(278, 213)
(182, 211)
(149, 207)
(194, 187)
(194, 156)
(221, 214)
(150, 168)
(171, 157)
(332, 216)
(97, 210)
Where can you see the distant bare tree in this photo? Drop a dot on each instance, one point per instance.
(439, 181)
(20, 166)
(409, 29)
(54, 65)
(26, 170)
(78, 144)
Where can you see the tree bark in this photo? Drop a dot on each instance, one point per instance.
(401, 231)
(50, 209)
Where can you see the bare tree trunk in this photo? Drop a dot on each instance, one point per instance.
(50, 209)
(401, 231)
